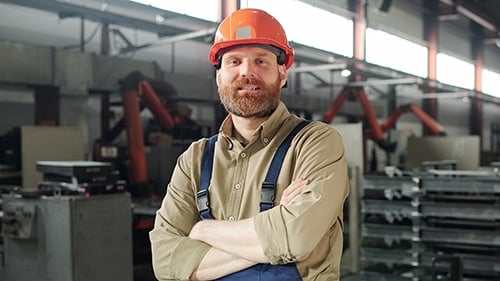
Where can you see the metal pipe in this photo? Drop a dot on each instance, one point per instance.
(138, 165)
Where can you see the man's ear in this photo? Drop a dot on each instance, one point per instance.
(282, 74)
(217, 77)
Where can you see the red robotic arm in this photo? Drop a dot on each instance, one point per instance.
(137, 88)
(377, 131)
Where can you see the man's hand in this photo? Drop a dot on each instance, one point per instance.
(217, 263)
(293, 191)
(228, 235)
(236, 245)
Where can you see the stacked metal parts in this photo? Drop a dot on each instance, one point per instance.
(438, 225)
(79, 177)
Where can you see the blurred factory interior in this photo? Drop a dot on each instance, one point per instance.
(98, 98)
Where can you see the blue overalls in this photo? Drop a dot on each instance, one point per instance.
(262, 271)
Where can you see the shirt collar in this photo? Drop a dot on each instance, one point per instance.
(266, 131)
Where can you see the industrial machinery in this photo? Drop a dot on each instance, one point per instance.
(171, 126)
(376, 131)
(100, 211)
(75, 226)
(147, 159)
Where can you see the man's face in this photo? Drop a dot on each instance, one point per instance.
(249, 81)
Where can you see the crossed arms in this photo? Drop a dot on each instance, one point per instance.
(235, 244)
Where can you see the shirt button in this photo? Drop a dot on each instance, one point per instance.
(237, 186)
(243, 155)
(266, 140)
(231, 218)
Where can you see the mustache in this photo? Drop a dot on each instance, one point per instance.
(248, 81)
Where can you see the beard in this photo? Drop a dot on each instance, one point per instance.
(261, 103)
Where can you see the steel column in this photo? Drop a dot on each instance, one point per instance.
(359, 21)
(105, 45)
(226, 7)
(431, 23)
(476, 105)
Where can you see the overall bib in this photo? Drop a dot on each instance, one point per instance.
(258, 272)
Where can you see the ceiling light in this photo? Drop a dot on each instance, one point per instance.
(159, 19)
(345, 73)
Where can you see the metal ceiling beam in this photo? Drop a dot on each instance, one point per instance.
(464, 8)
(320, 67)
(382, 82)
(171, 39)
(334, 8)
(182, 27)
(432, 95)
(122, 13)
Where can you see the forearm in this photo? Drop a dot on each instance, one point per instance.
(217, 263)
(234, 237)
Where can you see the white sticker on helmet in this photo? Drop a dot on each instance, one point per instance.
(243, 32)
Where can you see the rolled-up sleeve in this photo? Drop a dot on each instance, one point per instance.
(175, 256)
(291, 233)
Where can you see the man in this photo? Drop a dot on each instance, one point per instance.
(300, 236)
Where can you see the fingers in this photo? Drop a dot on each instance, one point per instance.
(296, 187)
(293, 191)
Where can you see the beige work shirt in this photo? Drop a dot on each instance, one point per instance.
(308, 231)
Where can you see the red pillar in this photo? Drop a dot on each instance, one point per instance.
(358, 7)
(226, 7)
(431, 24)
(476, 105)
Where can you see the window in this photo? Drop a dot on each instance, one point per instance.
(309, 25)
(397, 53)
(491, 85)
(206, 9)
(453, 71)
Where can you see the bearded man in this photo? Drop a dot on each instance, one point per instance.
(263, 199)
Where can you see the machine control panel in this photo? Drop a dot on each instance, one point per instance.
(18, 220)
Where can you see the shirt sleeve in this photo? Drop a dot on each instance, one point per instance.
(297, 229)
(175, 255)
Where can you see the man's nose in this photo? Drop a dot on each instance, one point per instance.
(247, 69)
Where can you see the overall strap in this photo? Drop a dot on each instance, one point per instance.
(207, 163)
(269, 185)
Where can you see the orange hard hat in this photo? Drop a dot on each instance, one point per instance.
(249, 27)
